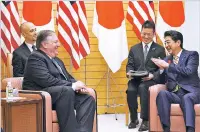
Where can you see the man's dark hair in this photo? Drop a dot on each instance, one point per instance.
(175, 35)
(42, 36)
(149, 24)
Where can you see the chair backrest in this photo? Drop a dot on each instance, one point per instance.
(16, 82)
(9, 65)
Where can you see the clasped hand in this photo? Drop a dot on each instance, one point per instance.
(80, 87)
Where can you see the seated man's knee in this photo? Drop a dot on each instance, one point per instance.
(188, 97)
(92, 92)
(131, 91)
(162, 93)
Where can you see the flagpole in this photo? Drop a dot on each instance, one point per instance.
(85, 70)
(107, 87)
(70, 66)
(4, 70)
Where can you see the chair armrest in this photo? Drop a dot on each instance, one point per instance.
(47, 107)
(48, 111)
(153, 92)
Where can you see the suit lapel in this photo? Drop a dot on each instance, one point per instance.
(140, 52)
(151, 51)
(26, 49)
(182, 58)
(170, 60)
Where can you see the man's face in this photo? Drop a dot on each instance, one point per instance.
(147, 35)
(51, 45)
(171, 45)
(29, 32)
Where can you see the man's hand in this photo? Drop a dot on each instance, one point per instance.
(128, 75)
(82, 91)
(160, 63)
(80, 87)
(151, 76)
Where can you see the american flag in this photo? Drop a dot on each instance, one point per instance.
(10, 30)
(73, 30)
(138, 12)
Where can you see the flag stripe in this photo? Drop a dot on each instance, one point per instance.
(72, 22)
(6, 41)
(3, 56)
(144, 7)
(69, 29)
(10, 31)
(65, 38)
(66, 18)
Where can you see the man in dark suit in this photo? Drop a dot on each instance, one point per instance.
(182, 81)
(20, 55)
(44, 71)
(139, 59)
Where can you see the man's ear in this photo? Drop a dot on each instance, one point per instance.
(44, 44)
(23, 34)
(179, 43)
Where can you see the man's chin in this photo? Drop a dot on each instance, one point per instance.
(169, 51)
(146, 42)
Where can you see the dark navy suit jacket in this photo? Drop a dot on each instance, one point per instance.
(185, 73)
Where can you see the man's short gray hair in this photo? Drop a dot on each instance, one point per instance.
(42, 36)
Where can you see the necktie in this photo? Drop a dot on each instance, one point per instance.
(59, 68)
(145, 51)
(175, 59)
(33, 47)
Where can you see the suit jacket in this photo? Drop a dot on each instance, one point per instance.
(20, 56)
(185, 73)
(40, 72)
(136, 60)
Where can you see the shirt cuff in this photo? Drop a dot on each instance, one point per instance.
(161, 71)
(74, 86)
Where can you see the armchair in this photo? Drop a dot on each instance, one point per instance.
(50, 121)
(176, 117)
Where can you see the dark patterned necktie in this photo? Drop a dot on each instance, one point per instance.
(59, 68)
(34, 47)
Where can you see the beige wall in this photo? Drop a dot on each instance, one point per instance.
(94, 67)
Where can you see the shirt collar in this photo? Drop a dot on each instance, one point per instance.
(29, 46)
(149, 44)
(179, 54)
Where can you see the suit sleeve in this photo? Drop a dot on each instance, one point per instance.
(40, 73)
(190, 68)
(157, 76)
(18, 67)
(130, 63)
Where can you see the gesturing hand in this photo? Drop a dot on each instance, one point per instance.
(160, 63)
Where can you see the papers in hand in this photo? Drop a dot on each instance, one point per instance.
(139, 74)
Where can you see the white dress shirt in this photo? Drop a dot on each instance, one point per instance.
(29, 46)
